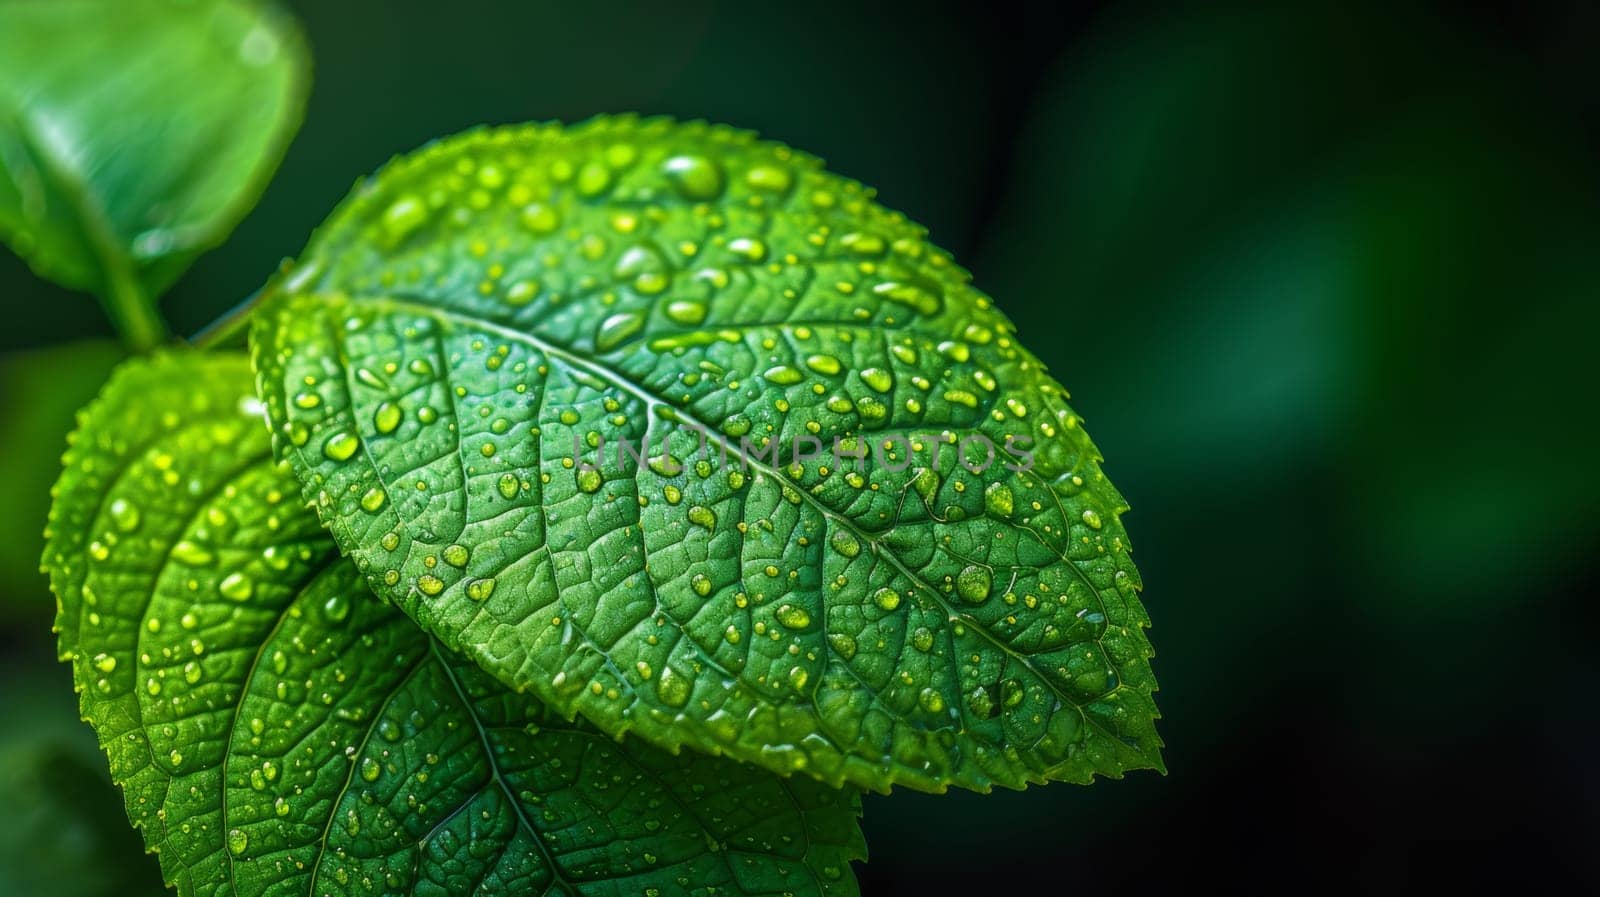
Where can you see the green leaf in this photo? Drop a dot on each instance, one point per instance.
(277, 729)
(473, 322)
(135, 135)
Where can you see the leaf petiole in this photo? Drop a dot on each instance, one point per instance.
(132, 312)
(226, 329)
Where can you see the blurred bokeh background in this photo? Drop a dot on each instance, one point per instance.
(1324, 282)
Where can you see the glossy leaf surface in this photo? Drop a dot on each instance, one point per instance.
(278, 730)
(455, 361)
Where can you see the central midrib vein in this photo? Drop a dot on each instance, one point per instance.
(557, 875)
(652, 401)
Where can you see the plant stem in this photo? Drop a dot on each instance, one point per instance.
(224, 330)
(132, 312)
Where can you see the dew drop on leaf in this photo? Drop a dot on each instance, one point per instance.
(672, 688)
(341, 446)
(695, 177)
(236, 587)
(124, 515)
(793, 616)
(973, 584)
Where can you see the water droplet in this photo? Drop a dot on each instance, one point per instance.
(372, 379)
(238, 842)
(617, 328)
(845, 543)
(590, 480)
(931, 700)
(749, 247)
(842, 644)
(973, 584)
(923, 300)
(429, 584)
(685, 312)
(888, 599)
(981, 703)
(997, 499)
(645, 267)
(769, 179)
(793, 616)
(522, 292)
(877, 378)
(672, 687)
(455, 555)
(782, 375)
(236, 587)
(370, 769)
(863, 243)
(124, 515)
(540, 218)
(190, 554)
(594, 178)
(1091, 518)
(386, 417)
(481, 589)
(1012, 693)
(509, 485)
(696, 177)
(703, 517)
(341, 446)
(824, 364)
(403, 217)
(336, 609)
(390, 730)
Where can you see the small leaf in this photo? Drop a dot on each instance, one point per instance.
(277, 729)
(134, 136)
(941, 594)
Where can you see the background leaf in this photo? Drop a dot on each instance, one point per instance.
(276, 727)
(66, 834)
(495, 309)
(40, 391)
(135, 135)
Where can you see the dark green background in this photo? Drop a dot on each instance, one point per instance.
(1324, 283)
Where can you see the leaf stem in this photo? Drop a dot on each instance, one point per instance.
(225, 329)
(132, 311)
